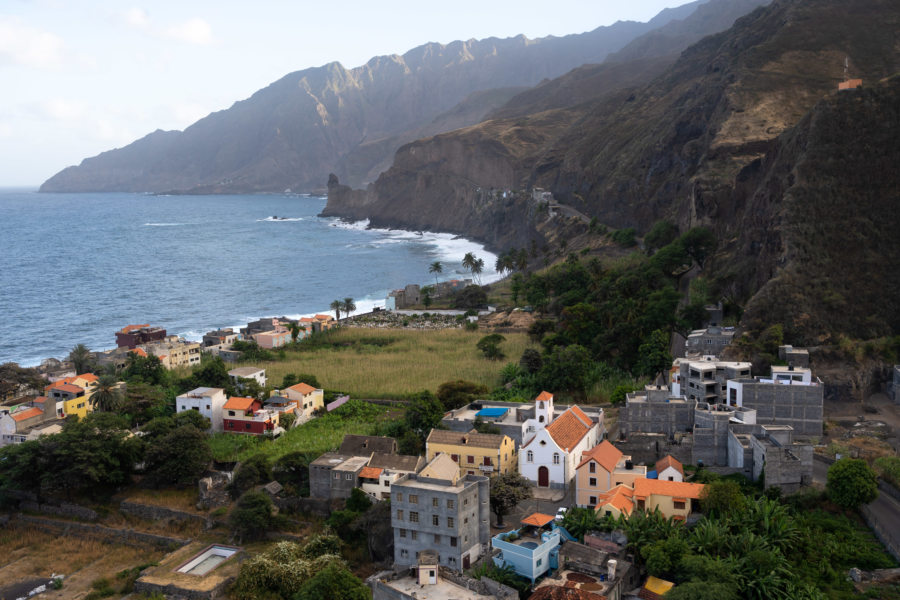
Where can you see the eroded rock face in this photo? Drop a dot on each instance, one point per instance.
(213, 491)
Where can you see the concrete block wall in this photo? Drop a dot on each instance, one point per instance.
(657, 417)
(800, 406)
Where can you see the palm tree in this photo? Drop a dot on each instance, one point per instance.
(295, 329)
(477, 268)
(469, 261)
(337, 307)
(437, 268)
(348, 306)
(81, 357)
(106, 397)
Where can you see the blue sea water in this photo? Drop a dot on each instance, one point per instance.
(74, 268)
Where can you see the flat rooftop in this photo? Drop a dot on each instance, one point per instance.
(442, 590)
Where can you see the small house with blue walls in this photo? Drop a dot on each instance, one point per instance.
(531, 550)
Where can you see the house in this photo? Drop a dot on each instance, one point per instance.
(704, 379)
(173, 352)
(383, 470)
(549, 457)
(587, 573)
(617, 502)
(246, 415)
(17, 422)
(334, 475)
(132, 336)
(209, 402)
(790, 396)
(260, 326)
(325, 322)
(675, 499)
(475, 453)
(220, 337)
(283, 406)
(669, 469)
(710, 341)
(437, 509)
(602, 468)
(531, 550)
(308, 398)
(364, 445)
(73, 394)
(428, 579)
(255, 373)
(272, 339)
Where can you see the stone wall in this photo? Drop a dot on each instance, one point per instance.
(30, 502)
(799, 406)
(129, 537)
(295, 504)
(663, 417)
(647, 448)
(150, 512)
(173, 591)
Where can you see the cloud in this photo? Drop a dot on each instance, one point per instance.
(192, 31)
(27, 46)
(137, 17)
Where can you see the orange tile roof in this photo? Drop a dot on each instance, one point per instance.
(130, 328)
(619, 497)
(324, 317)
(605, 454)
(59, 382)
(140, 352)
(27, 414)
(569, 428)
(538, 519)
(668, 461)
(238, 403)
(370, 472)
(66, 387)
(88, 377)
(303, 388)
(655, 487)
(545, 396)
(40, 400)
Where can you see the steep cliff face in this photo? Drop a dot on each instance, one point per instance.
(295, 131)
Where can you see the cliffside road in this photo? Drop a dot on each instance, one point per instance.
(568, 211)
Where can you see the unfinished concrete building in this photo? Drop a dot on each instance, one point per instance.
(705, 379)
(790, 397)
(656, 410)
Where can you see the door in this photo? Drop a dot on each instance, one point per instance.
(543, 477)
(466, 561)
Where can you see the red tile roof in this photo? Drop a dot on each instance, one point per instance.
(67, 387)
(538, 519)
(569, 428)
(324, 318)
(666, 462)
(130, 328)
(303, 388)
(677, 489)
(604, 453)
(619, 497)
(88, 377)
(59, 382)
(27, 414)
(370, 472)
(140, 352)
(545, 396)
(238, 403)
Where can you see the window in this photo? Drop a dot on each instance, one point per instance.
(453, 542)
(387, 483)
(403, 533)
(207, 407)
(414, 534)
(539, 561)
(592, 482)
(183, 407)
(592, 467)
(437, 539)
(470, 459)
(556, 458)
(530, 456)
(592, 500)
(450, 504)
(455, 457)
(413, 498)
(465, 501)
(679, 505)
(399, 515)
(230, 413)
(435, 521)
(487, 461)
(247, 426)
(404, 553)
(452, 560)
(641, 504)
(337, 475)
(434, 502)
(413, 517)
(399, 496)
(348, 476)
(450, 522)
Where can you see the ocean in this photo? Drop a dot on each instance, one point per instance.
(75, 268)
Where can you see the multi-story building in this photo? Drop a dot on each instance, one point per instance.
(72, 395)
(209, 402)
(705, 380)
(708, 342)
(475, 453)
(601, 468)
(790, 396)
(550, 456)
(308, 398)
(255, 373)
(246, 415)
(174, 352)
(437, 509)
(131, 336)
(220, 337)
(272, 339)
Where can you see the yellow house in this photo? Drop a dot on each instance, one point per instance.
(674, 499)
(308, 398)
(602, 468)
(475, 453)
(73, 394)
(616, 502)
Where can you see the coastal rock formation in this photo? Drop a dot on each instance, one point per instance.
(292, 133)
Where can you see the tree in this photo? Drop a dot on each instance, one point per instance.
(81, 358)
(490, 346)
(336, 582)
(292, 471)
(252, 516)
(251, 472)
(454, 394)
(568, 369)
(507, 491)
(618, 395)
(851, 483)
(143, 402)
(358, 501)
(337, 306)
(515, 287)
(699, 243)
(426, 295)
(179, 458)
(107, 397)
(424, 413)
(661, 234)
(295, 329)
(654, 354)
(348, 306)
(722, 498)
(531, 361)
(145, 369)
(295, 378)
(437, 268)
(468, 261)
(477, 268)
(580, 521)
(471, 296)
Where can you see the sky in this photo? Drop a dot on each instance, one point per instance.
(80, 78)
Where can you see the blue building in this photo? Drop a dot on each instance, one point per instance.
(531, 550)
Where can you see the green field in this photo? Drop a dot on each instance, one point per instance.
(390, 363)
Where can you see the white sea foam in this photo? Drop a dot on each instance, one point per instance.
(274, 219)
(165, 224)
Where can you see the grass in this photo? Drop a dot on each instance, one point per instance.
(376, 363)
(315, 437)
(178, 499)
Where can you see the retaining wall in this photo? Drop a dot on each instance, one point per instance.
(151, 512)
(129, 537)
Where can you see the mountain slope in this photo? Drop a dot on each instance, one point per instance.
(293, 132)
